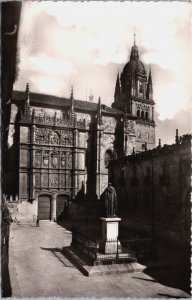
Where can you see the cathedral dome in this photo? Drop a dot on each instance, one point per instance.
(133, 67)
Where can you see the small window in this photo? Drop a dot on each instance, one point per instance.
(146, 115)
(147, 135)
(138, 134)
(142, 114)
(138, 113)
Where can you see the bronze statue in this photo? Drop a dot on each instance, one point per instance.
(110, 198)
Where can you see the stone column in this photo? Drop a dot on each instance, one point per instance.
(98, 164)
(74, 164)
(32, 158)
(53, 208)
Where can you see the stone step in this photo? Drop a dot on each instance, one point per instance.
(93, 270)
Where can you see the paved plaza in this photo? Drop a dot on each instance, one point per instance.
(38, 268)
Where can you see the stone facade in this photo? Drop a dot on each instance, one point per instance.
(153, 190)
(60, 148)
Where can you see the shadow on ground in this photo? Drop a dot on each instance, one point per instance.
(59, 255)
(64, 258)
(67, 224)
(176, 272)
(6, 290)
(171, 296)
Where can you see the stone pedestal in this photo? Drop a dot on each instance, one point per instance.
(110, 232)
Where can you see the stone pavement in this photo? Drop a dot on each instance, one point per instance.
(38, 268)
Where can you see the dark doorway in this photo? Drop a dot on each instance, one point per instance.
(62, 207)
(44, 207)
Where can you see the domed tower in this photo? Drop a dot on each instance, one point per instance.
(134, 93)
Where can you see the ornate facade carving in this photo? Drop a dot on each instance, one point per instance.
(109, 124)
(55, 159)
(37, 179)
(66, 137)
(54, 138)
(49, 136)
(45, 180)
(38, 158)
(54, 180)
(45, 158)
(42, 135)
(130, 128)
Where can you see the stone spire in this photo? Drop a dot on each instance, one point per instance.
(27, 91)
(134, 38)
(26, 108)
(134, 50)
(149, 92)
(117, 94)
(159, 143)
(72, 102)
(91, 97)
(99, 115)
(177, 137)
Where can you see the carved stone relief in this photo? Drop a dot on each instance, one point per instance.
(68, 160)
(66, 137)
(63, 159)
(44, 180)
(46, 158)
(68, 179)
(42, 135)
(109, 124)
(108, 141)
(130, 126)
(54, 138)
(38, 158)
(54, 180)
(62, 180)
(55, 159)
(37, 179)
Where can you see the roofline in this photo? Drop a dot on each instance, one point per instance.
(113, 111)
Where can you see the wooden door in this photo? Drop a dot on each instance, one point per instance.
(44, 207)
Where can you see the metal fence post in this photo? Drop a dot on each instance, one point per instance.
(117, 249)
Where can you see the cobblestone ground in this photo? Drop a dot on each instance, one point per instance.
(39, 269)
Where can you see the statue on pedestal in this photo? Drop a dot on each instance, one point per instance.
(110, 199)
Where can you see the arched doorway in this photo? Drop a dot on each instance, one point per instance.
(62, 206)
(44, 207)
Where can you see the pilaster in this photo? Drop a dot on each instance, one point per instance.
(53, 208)
(74, 164)
(31, 164)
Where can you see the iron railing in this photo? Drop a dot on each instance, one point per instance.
(114, 249)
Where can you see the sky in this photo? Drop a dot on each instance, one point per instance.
(85, 44)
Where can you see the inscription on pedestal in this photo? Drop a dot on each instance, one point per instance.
(110, 232)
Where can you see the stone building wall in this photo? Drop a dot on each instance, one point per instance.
(154, 189)
(144, 134)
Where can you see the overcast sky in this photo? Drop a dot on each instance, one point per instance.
(84, 44)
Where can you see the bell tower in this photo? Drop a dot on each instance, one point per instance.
(134, 92)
